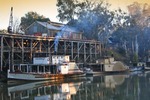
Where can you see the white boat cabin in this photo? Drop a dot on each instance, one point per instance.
(58, 59)
(41, 69)
(55, 59)
(42, 65)
(63, 68)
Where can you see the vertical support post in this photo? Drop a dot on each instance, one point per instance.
(100, 49)
(84, 52)
(27, 68)
(13, 69)
(2, 46)
(9, 58)
(40, 48)
(20, 67)
(95, 51)
(38, 69)
(72, 50)
(30, 69)
(65, 47)
(90, 53)
(44, 69)
(78, 51)
(31, 50)
(22, 59)
(12, 53)
(49, 51)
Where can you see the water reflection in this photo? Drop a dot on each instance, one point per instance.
(134, 86)
(44, 91)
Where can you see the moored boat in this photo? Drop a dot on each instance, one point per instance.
(36, 72)
(139, 66)
(88, 71)
(136, 68)
(147, 68)
(33, 72)
(106, 66)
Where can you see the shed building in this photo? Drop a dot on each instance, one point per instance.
(51, 29)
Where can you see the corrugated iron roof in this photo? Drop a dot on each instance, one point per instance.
(48, 26)
(66, 27)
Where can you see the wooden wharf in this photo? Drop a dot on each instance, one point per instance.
(18, 48)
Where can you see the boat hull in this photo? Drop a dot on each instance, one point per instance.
(95, 73)
(137, 68)
(37, 77)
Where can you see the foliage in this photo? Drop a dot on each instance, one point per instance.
(94, 19)
(135, 26)
(121, 51)
(129, 32)
(66, 9)
(3, 31)
(118, 55)
(135, 58)
(31, 17)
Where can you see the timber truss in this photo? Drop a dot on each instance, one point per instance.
(16, 49)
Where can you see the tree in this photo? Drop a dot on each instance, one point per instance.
(93, 18)
(140, 12)
(135, 58)
(134, 34)
(69, 9)
(128, 31)
(31, 17)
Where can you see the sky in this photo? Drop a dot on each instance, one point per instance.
(47, 8)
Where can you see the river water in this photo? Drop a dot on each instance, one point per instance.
(133, 86)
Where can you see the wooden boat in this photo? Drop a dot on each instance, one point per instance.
(88, 71)
(147, 68)
(95, 73)
(137, 68)
(106, 66)
(36, 72)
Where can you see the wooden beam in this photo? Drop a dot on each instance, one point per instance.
(22, 48)
(84, 52)
(2, 46)
(12, 52)
(31, 50)
(72, 50)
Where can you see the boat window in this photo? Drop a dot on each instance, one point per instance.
(16, 68)
(15, 95)
(42, 90)
(34, 68)
(35, 91)
(23, 68)
(25, 94)
(41, 68)
(47, 69)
